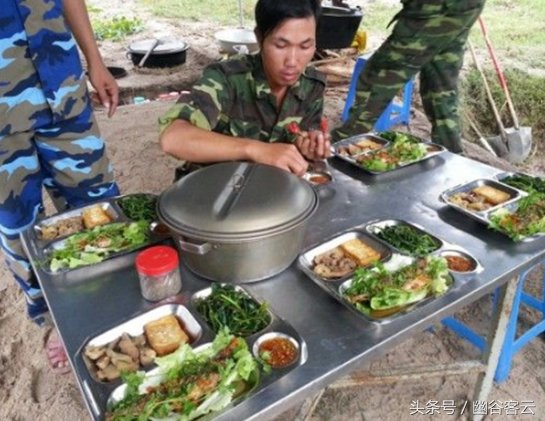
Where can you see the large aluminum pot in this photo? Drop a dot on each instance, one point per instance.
(238, 222)
(239, 40)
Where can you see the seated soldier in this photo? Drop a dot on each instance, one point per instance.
(246, 108)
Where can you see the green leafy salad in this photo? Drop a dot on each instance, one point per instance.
(189, 383)
(379, 292)
(93, 246)
(527, 220)
(402, 151)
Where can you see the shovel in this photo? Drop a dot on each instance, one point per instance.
(498, 143)
(519, 138)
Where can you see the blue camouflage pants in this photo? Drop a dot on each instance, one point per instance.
(68, 159)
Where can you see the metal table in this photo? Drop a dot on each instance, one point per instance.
(337, 340)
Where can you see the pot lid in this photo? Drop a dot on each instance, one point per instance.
(236, 200)
(165, 46)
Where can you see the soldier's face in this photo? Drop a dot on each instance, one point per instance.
(287, 50)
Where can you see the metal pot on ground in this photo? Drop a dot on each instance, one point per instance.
(337, 27)
(238, 222)
(239, 40)
(159, 52)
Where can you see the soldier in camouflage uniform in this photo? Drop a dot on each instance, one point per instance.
(428, 37)
(48, 136)
(240, 108)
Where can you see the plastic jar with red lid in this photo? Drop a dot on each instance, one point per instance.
(159, 272)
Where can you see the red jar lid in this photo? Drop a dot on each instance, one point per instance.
(157, 260)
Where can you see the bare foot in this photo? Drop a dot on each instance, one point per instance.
(58, 360)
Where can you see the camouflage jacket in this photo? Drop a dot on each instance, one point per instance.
(41, 77)
(233, 97)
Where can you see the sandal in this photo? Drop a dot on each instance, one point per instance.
(58, 360)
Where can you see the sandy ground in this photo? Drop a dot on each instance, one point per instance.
(29, 390)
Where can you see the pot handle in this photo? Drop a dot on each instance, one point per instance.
(194, 248)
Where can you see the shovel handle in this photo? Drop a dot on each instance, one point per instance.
(488, 92)
(499, 72)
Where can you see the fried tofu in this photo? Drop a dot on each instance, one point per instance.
(492, 195)
(95, 216)
(165, 335)
(368, 144)
(362, 254)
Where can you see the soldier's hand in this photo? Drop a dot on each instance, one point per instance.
(315, 145)
(281, 155)
(105, 86)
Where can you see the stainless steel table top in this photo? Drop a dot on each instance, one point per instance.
(337, 339)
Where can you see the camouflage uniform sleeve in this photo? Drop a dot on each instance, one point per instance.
(314, 100)
(204, 106)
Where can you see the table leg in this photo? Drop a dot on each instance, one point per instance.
(495, 342)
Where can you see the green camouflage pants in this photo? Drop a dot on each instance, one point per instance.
(428, 37)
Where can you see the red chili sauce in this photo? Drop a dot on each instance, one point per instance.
(319, 179)
(278, 352)
(459, 264)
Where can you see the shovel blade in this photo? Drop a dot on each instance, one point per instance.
(519, 143)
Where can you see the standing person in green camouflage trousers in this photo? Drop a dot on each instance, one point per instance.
(241, 108)
(428, 37)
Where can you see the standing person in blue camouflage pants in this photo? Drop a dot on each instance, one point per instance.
(428, 37)
(48, 135)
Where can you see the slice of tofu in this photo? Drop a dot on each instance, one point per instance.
(363, 254)
(492, 195)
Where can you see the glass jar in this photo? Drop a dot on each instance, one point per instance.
(159, 272)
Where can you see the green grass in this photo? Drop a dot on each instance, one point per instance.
(527, 92)
(222, 12)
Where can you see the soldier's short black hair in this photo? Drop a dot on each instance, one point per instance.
(269, 14)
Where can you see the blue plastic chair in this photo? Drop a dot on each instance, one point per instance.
(512, 344)
(395, 113)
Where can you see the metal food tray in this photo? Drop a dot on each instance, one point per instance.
(99, 393)
(38, 249)
(355, 139)
(395, 260)
(432, 148)
(482, 216)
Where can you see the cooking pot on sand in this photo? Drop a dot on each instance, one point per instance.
(157, 52)
(238, 222)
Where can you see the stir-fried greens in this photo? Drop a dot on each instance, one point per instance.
(408, 239)
(376, 289)
(527, 220)
(401, 152)
(139, 207)
(189, 383)
(93, 246)
(228, 307)
(525, 183)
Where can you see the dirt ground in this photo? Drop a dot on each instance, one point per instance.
(29, 390)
